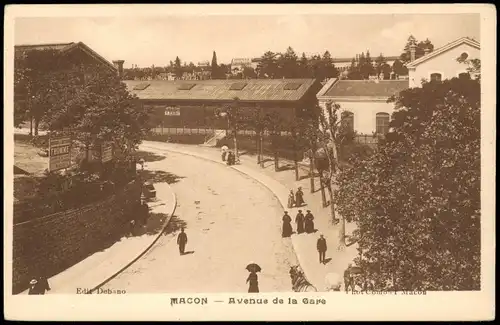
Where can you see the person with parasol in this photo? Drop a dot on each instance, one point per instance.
(253, 279)
(287, 226)
(291, 200)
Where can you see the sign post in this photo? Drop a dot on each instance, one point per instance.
(59, 152)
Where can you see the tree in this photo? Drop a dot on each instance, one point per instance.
(304, 66)
(399, 68)
(178, 67)
(248, 72)
(100, 109)
(419, 49)
(274, 125)
(268, 68)
(333, 135)
(417, 199)
(328, 67)
(287, 64)
(216, 71)
(34, 77)
(366, 65)
(381, 66)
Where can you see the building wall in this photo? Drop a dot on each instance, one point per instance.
(201, 114)
(445, 63)
(364, 113)
(56, 242)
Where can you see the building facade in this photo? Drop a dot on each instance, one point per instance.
(195, 104)
(363, 102)
(443, 63)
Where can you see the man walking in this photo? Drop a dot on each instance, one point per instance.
(348, 281)
(321, 246)
(182, 241)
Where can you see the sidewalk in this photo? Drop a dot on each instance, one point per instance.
(280, 184)
(98, 268)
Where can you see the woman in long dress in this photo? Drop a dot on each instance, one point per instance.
(253, 281)
(291, 199)
(299, 197)
(287, 226)
(309, 223)
(299, 220)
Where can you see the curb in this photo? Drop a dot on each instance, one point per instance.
(246, 175)
(167, 221)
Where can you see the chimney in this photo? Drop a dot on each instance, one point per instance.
(119, 66)
(413, 49)
(427, 51)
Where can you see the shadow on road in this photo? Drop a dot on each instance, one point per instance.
(149, 156)
(160, 176)
(188, 253)
(327, 260)
(174, 225)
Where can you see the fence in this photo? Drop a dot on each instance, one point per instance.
(366, 139)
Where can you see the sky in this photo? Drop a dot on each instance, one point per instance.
(155, 40)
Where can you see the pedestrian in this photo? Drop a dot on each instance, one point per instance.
(230, 160)
(299, 220)
(299, 197)
(348, 280)
(291, 200)
(39, 286)
(182, 241)
(321, 246)
(224, 152)
(287, 226)
(308, 222)
(253, 281)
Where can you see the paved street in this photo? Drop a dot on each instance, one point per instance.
(230, 220)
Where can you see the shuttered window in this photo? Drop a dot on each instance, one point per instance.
(382, 122)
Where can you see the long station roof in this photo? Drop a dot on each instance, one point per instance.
(228, 89)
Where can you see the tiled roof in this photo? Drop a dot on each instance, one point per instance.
(55, 46)
(63, 48)
(366, 88)
(445, 48)
(255, 89)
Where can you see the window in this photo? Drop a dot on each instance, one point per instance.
(435, 77)
(292, 86)
(186, 86)
(382, 121)
(238, 86)
(348, 121)
(464, 56)
(141, 86)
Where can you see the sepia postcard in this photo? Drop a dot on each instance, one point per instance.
(241, 162)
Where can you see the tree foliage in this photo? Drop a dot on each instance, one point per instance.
(419, 50)
(86, 99)
(417, 199)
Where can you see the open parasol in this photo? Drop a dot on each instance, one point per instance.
(252, 267)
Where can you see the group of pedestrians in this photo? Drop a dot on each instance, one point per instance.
(297, 199)
(228, 156)
(304, 223)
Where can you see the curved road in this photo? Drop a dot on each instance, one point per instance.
(230, 220)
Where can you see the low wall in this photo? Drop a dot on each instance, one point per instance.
(51, 244)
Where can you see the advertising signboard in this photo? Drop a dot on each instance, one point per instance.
(106, 152)
(172, 111)
(59, 152)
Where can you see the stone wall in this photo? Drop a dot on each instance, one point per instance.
(56, 242)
